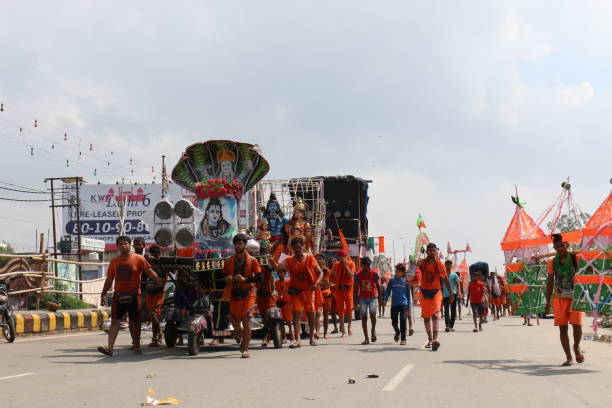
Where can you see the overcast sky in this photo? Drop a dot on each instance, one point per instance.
(444, 105)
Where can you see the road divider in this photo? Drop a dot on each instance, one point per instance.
(34, 322)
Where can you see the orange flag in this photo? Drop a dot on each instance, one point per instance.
(343, 240)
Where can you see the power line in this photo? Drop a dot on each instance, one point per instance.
(22, 220)
(23, 191)
(20, 200)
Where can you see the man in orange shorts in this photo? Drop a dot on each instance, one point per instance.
(241, 272)
(266, 298)
(344, 271)
(433, 274)
(284, 302)
(561, 272)
(305, 277)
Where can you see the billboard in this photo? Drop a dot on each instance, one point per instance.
(100, 210)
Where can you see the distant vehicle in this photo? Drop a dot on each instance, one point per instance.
(7, 318)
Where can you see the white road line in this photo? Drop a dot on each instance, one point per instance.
(16, 376)
(395, 381)
(37, 338)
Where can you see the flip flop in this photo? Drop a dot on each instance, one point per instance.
(245, 354)
(313, 343)
(295, 345)
(475, 330)
(435, 345)
(365, 342)
(403, 343)
(104, 350)
(396, 338)
(374, 338)
(428, 345)
(566, 364)
(410, 332)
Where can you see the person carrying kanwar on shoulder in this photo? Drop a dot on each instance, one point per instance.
(560, 294)
(155, 294)
(433, 276)
(305, 275)
(344, 271)
(450, 308)
(399, 290)
(475, 297)
(125, 271)
(266, 299)
(242, 271)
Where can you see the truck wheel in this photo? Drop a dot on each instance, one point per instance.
(276, 334)
(193, 343)
(170, 334)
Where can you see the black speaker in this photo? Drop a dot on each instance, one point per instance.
(346, 201)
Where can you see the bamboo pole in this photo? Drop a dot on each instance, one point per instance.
(42, 257)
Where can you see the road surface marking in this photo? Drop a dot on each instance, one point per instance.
(16, 376)
(39, 338)
(395, 381)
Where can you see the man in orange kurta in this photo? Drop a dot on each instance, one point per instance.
(266, 299)
(344, 271)
(241, 272)
(305, 277)
(284, 302)
(433, 274)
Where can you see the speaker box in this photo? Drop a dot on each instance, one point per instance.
(346, 202)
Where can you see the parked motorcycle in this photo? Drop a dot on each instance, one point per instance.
(7, 318)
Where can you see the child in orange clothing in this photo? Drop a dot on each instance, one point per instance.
(284, 302)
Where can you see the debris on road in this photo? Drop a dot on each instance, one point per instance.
(150, 375)
(351, 381)
(153, 402)
(372, 376)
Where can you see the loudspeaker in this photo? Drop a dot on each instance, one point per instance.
(346, 202)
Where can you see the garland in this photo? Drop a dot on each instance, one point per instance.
(219, 188)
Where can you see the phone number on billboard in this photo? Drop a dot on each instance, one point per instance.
(106, 227)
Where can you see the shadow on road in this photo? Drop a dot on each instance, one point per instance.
(521, 367)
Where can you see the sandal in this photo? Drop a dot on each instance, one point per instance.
(410, 332)
(396, 338)
(313, 343)
(428, 345)
(403, 343)
(365, 342)
(245, 354)
(295, 345)
(105, 350)
(435, 345)
(374, 338)
(154, 343)
(567, 364)
(264, 344)
(475, 330)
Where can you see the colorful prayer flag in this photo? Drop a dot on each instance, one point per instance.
(420, 223)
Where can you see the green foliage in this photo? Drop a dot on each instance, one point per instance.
(67, 301)
(8, 249)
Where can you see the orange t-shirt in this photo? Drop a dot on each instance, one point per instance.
(303, 274)
(431, 273)
(341, 277)
(126, 272)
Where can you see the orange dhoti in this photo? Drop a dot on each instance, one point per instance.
(564, 314)
(303, 301)
(327, 300)
(496, 301)
(430, 307)
(241, 309)
(264, 303)
(318, 299)
(344, 302)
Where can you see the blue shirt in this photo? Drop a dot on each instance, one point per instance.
(400, 291)
(453, 278)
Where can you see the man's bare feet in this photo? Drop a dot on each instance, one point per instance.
(366, 341)
(579, 355)
(567, 363)
(350, 332)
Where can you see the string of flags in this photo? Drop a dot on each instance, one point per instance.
(34, 149)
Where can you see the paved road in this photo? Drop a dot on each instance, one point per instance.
(507, 364)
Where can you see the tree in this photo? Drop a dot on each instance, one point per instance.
(5, 248)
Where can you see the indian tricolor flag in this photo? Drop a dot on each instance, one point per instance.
(377, 244)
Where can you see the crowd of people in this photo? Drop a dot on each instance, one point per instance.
(309, 288)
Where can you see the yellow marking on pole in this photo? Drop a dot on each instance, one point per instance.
(20, 325)
(80, 319)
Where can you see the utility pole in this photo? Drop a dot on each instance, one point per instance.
(78, 207)
(53, 221)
